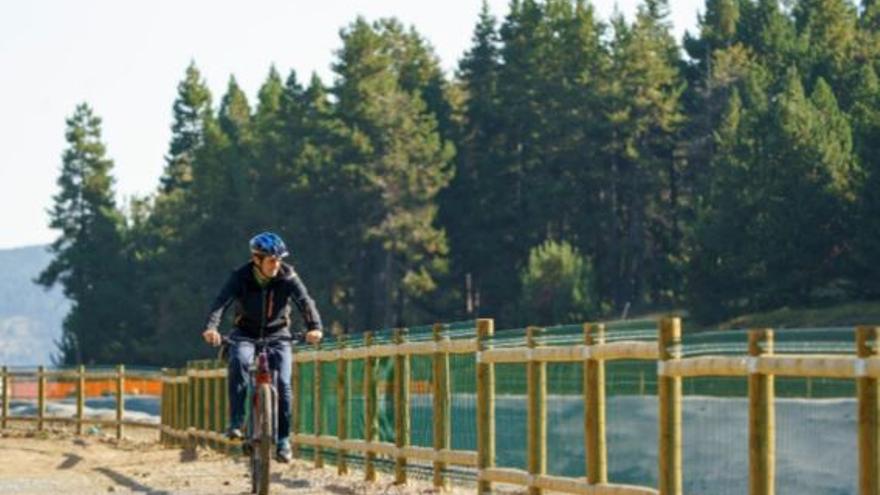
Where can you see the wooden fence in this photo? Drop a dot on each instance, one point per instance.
(760, 367)
(593, 353)
(82, 384)
(194, 404)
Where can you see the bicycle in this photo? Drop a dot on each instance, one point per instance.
(262, 396)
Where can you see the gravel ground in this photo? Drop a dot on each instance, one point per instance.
(56, 461)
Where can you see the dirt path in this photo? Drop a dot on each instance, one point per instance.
(60, 463)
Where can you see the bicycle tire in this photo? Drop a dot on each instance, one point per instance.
(265, 437)
(254, 471)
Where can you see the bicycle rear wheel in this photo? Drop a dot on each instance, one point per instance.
(263, 453)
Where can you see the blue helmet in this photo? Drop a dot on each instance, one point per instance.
(268, 244)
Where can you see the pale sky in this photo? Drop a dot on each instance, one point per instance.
(125, 59)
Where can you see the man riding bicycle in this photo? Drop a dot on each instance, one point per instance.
(263, 290)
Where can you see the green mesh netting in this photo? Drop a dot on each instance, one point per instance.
(816, 436)
(421, 401)
(631, 422)
(815, 426)
(463, 407)
(565, 420)
(715, 421)
(816, 440)
(510, 415)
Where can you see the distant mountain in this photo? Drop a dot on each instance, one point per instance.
(30, 317)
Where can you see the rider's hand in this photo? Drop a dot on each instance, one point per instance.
(314, 336)
(212, 336)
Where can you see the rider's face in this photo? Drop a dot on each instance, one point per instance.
(268, 265)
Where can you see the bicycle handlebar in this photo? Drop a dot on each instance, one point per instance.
(260, 340)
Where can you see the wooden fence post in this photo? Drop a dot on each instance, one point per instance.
(183, 404)
(669, 397)
(536, 372)
(196, 423)
(173, 420)
(218, 401)
(6, 393)
(224, 404)
(196, 418)
(318, 415)
(401, 406)
(370, 424)
(120, 399)
(189, 399)
(206, 400)
(342, 404)
(41, 396)
(162, 405)
(163, 408)
(80, 398)
(485, 405)
(869, 415)
(762, 421)
(172, 403)
(442, 401)
(190, 396)
(594, 408)
(173, 406)
(295, 404)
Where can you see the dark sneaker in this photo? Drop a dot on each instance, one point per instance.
(283, 454)
(234, 434)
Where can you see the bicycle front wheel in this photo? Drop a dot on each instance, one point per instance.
(264, 431)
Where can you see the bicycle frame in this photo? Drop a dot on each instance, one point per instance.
(261, 431)
(259, 374)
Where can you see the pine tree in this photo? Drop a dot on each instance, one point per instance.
(88, 252)
(267, 117)
(866, 142)
(273, 148)
(869, 15)
(159, 237)
(808, 204)
(717, 31)
(557, 285)
(829, 34)
(418, 69)
(235, 114)
(715, 271)
(768, 32)
(784, 202)
(192, 109)
(402, 165)
(325, 166)
(515, 181)
(643, 118)
(466, 208)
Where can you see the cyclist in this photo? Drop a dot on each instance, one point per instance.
(263, 290)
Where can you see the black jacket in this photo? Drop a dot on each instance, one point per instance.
(264, 307)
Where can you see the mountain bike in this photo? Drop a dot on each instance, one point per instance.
(261, 411)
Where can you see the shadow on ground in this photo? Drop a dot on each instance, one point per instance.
(70, 461)
(122, 480)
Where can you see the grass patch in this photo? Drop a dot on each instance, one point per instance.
(842, 315)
